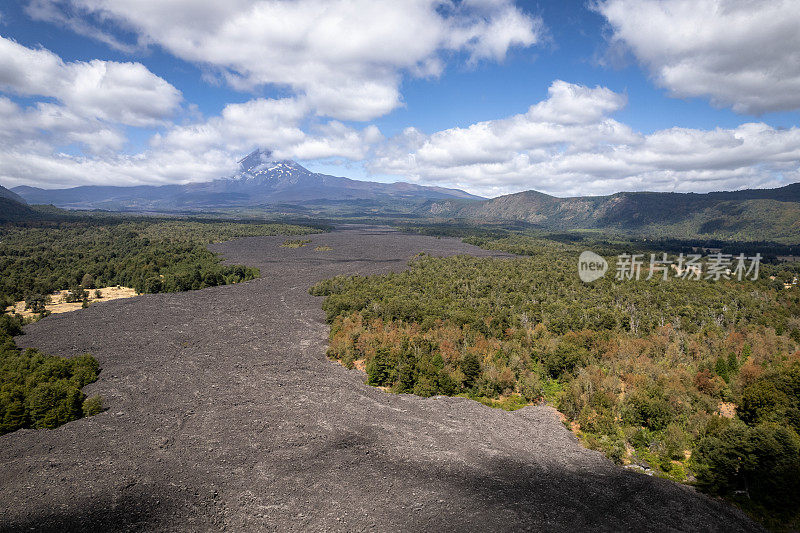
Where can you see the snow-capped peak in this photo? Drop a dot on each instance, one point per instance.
(259, 167)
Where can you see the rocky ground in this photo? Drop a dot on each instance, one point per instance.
(224, 414)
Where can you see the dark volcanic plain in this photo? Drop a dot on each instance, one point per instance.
(224, 414)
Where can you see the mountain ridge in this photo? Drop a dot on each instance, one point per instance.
(285, 186)
(259, 181)
(11, 195)
(13, 208)
(760, 214)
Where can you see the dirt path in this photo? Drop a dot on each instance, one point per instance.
(225, 414)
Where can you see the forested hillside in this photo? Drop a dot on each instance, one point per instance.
(748, 215)
(10, 195)
(695, 380)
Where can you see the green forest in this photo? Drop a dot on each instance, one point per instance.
(694, 380)
(149, 255)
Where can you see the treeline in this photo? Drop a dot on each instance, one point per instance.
(148, 255)
(38, 390)
(697, 381)
(523, 235)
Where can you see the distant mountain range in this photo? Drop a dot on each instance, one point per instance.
(260, 181)
(751, 214)
(287, 188)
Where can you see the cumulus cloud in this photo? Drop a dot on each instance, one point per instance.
(44, 123)
(31, 139)
(126, 93)
(47, 11)
(273, 123)
(345, 57)
(572, 115)
(89, 104)
(739, 53)
(569, 145)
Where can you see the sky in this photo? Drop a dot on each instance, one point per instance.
(567, 97)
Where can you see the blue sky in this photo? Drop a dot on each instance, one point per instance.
(492, 96)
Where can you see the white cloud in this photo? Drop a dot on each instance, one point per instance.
(274, 124)
(32, 136)
(45, 169)
(568, 145)
(126, 93)
(740, 53)
(262, 122)
(47, 11)
(345, 57)
(44, 123)
(96, 99)
(568, 103)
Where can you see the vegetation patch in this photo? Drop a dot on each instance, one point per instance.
(38, 390)
(295, 243)
(323, 249)
(56, 266)
(639, 369)
(148, 255)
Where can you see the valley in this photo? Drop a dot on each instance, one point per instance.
(224, 413)
(415, 266)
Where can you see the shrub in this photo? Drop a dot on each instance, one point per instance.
(471, 367)
(648, 410)
(380, 368)
(10, 326)
(92, 406)
(53, 403)
(35, 303)
(565, 358)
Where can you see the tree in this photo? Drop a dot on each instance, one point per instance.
(51, 404)
(762, 461)
(565, 358)
(380, 368)
(471, 367)
(762, 401)
(76, 294)
(648, 409)
(36, 303)
(41, 391)
(87, 282)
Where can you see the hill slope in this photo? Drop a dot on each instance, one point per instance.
(13, 207)
(753, 214)
(10, 195)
